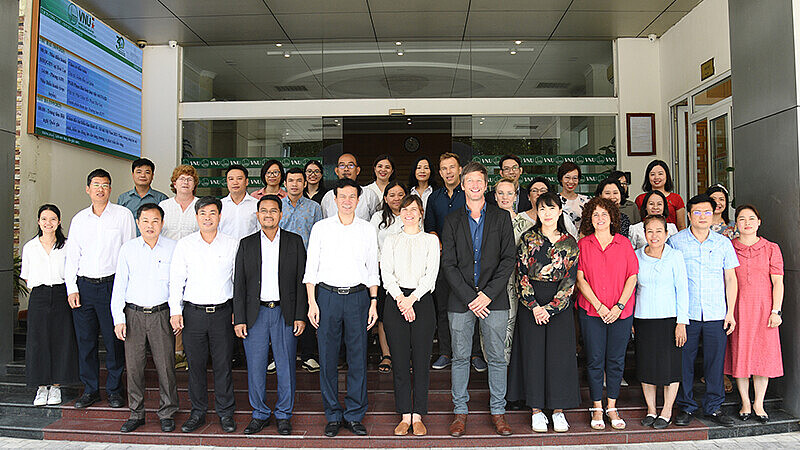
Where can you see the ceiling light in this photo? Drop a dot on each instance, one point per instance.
(480, 123)
(286, 54)
(278, 44)
(483, 118)
(518, 42)
(400, 52)
(513, 51)
(398, 43)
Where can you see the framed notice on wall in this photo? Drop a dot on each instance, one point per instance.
(641, 134)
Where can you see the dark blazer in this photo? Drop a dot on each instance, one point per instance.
(498, 258)
(247, 279)
(523, 199)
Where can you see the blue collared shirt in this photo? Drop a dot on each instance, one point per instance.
(439, 206)
(662, 289)
(301, 218)
(476, 231)
(706, 263)
(133, 202)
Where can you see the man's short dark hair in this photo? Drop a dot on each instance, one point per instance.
(97, 173)
(504, 158)
(271, 198)
(542, 180)
(474, 166)
(296, 171)
(343, 183)
(205, 201)
(235, 167)
(143, 162)
(700, 198)
(148, 207)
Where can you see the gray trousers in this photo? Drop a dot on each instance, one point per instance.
(153, 328)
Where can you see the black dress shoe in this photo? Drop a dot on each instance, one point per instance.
(228, 424)
(720, 418)
(116, 401)
(131, 424)
(193, 422)
(683, 418)
(356, 427)
(660, 423)
(284, 426)
(744, 417)
(256, 425)
(167, 425)
(762, 419)
(332, 428)
(648, 420)
(87, 400)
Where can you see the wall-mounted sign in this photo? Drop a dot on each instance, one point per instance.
(641, 134)
(706, 69)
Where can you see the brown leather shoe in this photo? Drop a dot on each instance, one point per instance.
(401, 429)
(500, 425)
(419, 428)
(459, 425)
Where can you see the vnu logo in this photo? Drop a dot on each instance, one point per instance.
(78, 15)
(120, 43)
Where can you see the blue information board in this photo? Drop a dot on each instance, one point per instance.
(88, 82)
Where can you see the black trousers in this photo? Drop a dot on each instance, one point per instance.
(51, 353)
(411, 344)
(203, 334)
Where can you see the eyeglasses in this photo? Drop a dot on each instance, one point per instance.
(313, 172)
(347, 166)
(185, 179)
(511, 169)
(539, 191)
(274, 173)
(101, 186)
(702, 213)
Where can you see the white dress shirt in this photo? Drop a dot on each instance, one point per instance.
(142, 277)
(269, 267)
(39, 268)
(424, 196)
(394, 228)
(342, 255)
(178, 223)
(375, 190)
(238, 221)
(410, 261)
(202, 273)
(368, 203)
(94, 243)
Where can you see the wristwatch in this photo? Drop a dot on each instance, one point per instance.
(374, 297)
(620, 305)
(777, 311)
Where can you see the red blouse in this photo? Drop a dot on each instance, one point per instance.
(606, 272)
(674, 203)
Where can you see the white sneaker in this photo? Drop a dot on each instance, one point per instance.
(272, 368)
(54, 396)
(560, 424)
(41, 396)
(539, 422)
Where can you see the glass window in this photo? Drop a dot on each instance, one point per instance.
(713, 95)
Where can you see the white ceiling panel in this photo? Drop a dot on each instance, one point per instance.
(341, 26)
(183, 8)
(663, 23)
(512, 24)
(519, 5)
(620, 5)
(159, 30)
(250, 28)
(434, 25)
(316, 6)
(124, 9)
(684, 5)
(600, 24)
(418, 5)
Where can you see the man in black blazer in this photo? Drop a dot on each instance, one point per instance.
(269, 305)
(478, 256)
(511, 167)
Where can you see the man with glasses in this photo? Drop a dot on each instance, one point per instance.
(511, 167)
(710, 262)
(95, 236)
(347, 167)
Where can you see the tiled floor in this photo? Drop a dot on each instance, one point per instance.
(772, 441)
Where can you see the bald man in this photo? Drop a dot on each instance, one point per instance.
(347, 167)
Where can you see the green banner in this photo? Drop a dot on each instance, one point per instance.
(249, 163)
(212, 182)
(609, 159)
(586, 178)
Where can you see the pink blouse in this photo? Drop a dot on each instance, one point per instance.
(606, 272)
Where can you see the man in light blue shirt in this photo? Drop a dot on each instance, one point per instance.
(142, 314)
(143, 170)
(710, 262)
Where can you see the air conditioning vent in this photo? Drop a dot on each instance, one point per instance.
(552, 85)
(295, 88)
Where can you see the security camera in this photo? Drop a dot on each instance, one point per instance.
(141, 43)
(173, 44)
(652, 37)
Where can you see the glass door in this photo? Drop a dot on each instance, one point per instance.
(721, 162)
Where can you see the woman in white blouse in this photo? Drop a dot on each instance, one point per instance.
(653, 204)
(387, 221)
(179, 215)
(51, 352)
(409, 266)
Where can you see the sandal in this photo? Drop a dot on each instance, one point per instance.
(385, 367)
(596, 424)
(617, 424)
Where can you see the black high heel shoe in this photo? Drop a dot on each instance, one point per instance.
(744, 417)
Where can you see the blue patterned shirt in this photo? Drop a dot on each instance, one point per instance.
(133, 202)
(301, 218)
(706, 263)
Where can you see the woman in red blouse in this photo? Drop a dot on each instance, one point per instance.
(607, 268)
(657, 178)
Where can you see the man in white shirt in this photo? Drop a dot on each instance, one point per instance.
(95, 237)
(368, 202)
(142, 315)
(201, 276)
(238, 208)
(343, 262)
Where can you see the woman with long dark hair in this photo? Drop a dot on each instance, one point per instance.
(420, 179)
(51, 352)
(387, 221)
(384, 169)
(315, 181)
(658, 178)
(719, 221)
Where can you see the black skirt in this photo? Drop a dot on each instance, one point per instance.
(543, 371)
(658, 359)
(51, 351)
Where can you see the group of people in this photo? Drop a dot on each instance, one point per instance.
(508, 280)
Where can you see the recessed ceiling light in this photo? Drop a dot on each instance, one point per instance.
(286, 54)
(480, 123)
(513, 51)
(278, 44)
(399, 53)
(518, 42)
(483, 118)
(398, 43)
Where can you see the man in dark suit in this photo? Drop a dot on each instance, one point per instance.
(269, 305)
(478, 256)
(511, 167)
